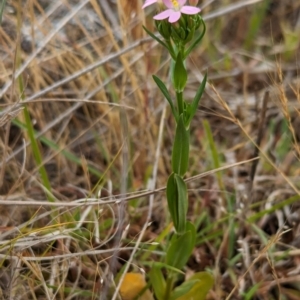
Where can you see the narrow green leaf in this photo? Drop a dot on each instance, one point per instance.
(274, 208)
(181, 147)
(158, 282)
(194, 105)
(183, 289)
(70, 156)
(182, 204)
(156, 38)
(250, 294)
(202, 282)
(177, 201)
(180, 250)
(196, 42)
(165, 266)
(171, 192)
(179, 74)
(257, 17)
(2, 5)
(191, 227)
(214, 153)
(165, 92)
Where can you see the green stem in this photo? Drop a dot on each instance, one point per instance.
(180, 104)
(169, 287)
(171, 49)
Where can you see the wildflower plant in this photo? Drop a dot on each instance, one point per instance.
(182, 29)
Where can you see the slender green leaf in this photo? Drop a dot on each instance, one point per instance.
(158, 242)
(231, 227)
(163, 265)
(172, 197)
(158, 282)
(181, 147)
(180, 249)
(70, 156)
(214, 153)
(165, 92)
(191, 227)
(182, 205)
(196, 42)
(274, 208)
(183, 289)
(194, 105)
(250, 294)
(202, 282)
(2, 5)
(258, 16)
(156, 38)
(177, 201)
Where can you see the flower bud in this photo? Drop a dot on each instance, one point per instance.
(164, 28)
(194, 2)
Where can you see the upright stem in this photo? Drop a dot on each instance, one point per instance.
(171, 49)
(169, 287)
(180, 104)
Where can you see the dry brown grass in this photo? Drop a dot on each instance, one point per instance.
(105, 134)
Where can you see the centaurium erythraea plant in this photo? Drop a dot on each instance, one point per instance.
(178, 24)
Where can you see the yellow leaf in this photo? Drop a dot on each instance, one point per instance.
(132, 285)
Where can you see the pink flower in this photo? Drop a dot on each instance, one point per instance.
(175, 9)
(148, 2)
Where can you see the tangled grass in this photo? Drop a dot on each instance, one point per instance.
(81, 72)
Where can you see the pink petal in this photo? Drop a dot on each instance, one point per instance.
(190, 10)
(168, 3)
(148, 2)
(163, 15)
(181, 2)
(174, 16)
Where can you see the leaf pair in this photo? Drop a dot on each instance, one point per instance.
(196, 287)
(191, 109)
(178, 253)
(177, 201)
(181, 247)
(181, 148)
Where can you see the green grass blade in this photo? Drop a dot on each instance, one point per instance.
(2, 5)
(255, 23)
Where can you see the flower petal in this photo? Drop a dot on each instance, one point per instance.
(190, 10)
(174, 16)
(168, 3)
(181, 2)
(148, 2)
(163, 15)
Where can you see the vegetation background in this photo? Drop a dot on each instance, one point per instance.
(75, 77)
